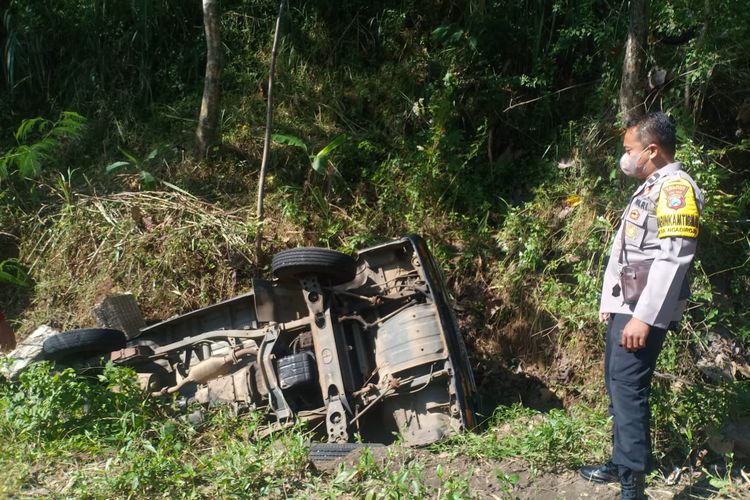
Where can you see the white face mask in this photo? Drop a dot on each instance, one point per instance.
(629, 165)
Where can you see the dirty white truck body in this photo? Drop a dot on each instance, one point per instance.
(366, 346)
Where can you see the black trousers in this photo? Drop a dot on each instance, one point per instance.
(628, 380)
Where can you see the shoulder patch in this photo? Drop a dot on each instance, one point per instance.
(677, 211)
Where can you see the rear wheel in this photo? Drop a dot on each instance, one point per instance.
(83, 342)
(328, 265)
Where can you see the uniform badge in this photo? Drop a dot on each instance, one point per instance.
(675, 194)
(677, 211)
(634, 214)
(630, 230)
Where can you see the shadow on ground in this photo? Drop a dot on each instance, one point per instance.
(13, 299)
(500, 385)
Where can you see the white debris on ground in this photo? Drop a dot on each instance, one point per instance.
(29, 350)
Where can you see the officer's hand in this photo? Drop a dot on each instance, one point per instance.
(603, 317)
(634, 335)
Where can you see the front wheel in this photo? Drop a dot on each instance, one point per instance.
(82, 343)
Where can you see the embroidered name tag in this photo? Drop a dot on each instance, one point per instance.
(676, 211)
(641, 203)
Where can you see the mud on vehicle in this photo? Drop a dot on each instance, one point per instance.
(367, 345)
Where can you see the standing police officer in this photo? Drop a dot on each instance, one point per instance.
(656, 239)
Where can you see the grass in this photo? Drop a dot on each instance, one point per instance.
(555, 440)
(70, 434)
(67, 433)
(142, 242)
(429, 151)
(176, 252)
(91, 434)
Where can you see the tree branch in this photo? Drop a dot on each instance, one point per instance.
(266, 142)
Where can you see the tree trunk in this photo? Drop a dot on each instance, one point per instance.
(631, 100)
(266, 141)
(207, 133)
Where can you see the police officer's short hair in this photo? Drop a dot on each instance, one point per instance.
(655, 128)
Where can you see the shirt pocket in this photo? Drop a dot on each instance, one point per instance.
(635, 225)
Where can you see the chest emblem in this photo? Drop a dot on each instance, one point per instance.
(634, 214)
(630, 231)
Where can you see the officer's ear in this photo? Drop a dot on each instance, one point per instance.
(653, 150)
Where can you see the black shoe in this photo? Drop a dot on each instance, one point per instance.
(633, 486)
(604, 473)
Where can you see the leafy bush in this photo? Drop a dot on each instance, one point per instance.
(49, 405)
(39, 144)
(113, 441)
(680, 421)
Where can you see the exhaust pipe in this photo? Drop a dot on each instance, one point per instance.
(209, 369)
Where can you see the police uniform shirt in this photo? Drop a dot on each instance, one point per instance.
(660, 225)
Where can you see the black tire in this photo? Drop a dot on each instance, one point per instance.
(83, 343)
(329, 266)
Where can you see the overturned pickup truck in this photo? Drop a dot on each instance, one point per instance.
(367, 345)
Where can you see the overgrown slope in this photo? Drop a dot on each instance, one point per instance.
(488, 127)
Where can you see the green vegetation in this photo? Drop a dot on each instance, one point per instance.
(27, 158)
(488, 127)
(558, 439)
(97, 431)
(98, 438)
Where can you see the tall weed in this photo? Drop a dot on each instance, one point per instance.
(39, 144)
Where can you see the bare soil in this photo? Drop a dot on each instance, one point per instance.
(513, 479)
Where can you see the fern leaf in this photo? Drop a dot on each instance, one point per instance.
(72, 117)
(62, 131)
(29, 163)
(45, 147)
(29, 126)
(69, 125)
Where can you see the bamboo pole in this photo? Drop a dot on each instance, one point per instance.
(266, 144)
